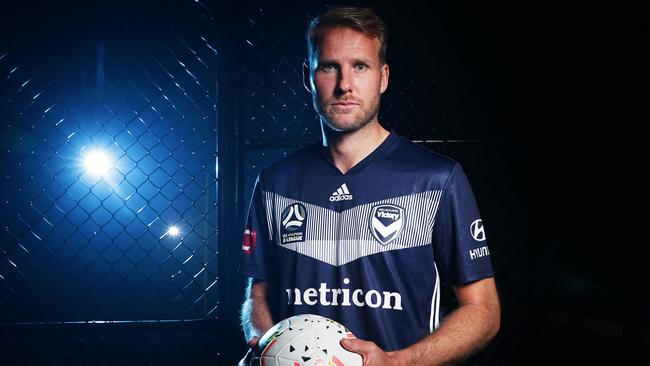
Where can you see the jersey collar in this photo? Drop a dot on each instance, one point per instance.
(378, 152)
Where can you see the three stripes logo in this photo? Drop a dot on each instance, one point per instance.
(341, 194)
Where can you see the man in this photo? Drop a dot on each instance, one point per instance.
(364, 228)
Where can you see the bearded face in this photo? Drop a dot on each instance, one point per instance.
(348, 79)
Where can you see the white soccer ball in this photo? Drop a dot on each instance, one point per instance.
(307, 340)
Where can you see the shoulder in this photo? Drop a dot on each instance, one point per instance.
(292, 164)
(418, 158)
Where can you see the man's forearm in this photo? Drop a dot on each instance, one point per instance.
(255, 317)
(463, 332)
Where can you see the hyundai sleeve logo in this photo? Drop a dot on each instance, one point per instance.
(477, 230)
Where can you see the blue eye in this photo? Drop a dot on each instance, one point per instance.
(360, 67)
(326, 67)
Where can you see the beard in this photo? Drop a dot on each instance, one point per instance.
(348, 120)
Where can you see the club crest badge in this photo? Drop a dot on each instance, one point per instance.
(386, 222)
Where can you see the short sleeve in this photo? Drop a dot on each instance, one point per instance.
(460, 245)
(257, 241)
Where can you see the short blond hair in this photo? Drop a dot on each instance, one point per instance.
(362, 19)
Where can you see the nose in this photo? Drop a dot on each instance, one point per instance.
(344, 84)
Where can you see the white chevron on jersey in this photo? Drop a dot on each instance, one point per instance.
(385, 230)
(339, 238)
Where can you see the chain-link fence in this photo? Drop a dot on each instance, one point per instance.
(109, 199)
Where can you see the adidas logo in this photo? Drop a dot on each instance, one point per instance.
(341, 194)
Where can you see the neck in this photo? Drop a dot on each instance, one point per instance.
(348, 148)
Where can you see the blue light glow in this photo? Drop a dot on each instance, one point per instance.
(173, 231)
(97, 162)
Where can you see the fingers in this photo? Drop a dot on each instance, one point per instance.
(246, 361)
(357, 345)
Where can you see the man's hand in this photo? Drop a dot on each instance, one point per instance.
(371, 353)
(252, 356)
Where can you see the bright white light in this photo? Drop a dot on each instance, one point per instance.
(173, 231)
(97, 162)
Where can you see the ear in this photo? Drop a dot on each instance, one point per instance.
(306, 75)
(385, 71)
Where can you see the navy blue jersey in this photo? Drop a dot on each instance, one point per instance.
(369, 248)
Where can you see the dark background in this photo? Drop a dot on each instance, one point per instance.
(537, 101)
